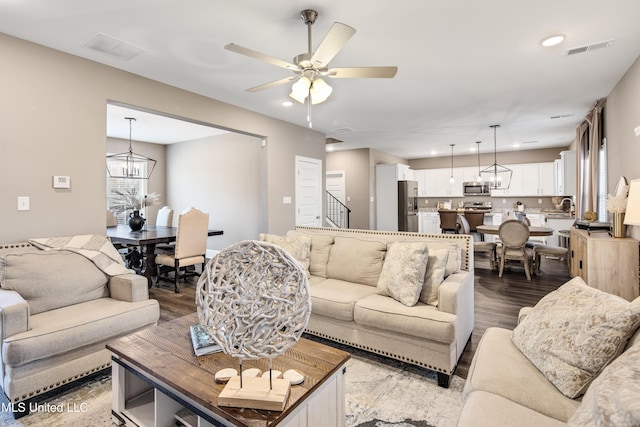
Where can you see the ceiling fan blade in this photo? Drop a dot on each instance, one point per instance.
(260, 56)
(336, 38)
(362, 72)
(272, 84)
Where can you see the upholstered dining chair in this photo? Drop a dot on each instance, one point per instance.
(448, 221)
(164, 217)
(191, 246)
(513, 236)
(482, 247)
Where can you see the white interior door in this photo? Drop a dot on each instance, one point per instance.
(335, 183)
(308, 191)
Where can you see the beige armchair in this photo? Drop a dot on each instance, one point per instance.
(191, 246)
(514, 235)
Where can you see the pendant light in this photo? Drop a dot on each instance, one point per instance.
(479, 177)
(451, 178)
(130, 165)
(498, 177)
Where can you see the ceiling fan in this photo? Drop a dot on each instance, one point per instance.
(310, 67)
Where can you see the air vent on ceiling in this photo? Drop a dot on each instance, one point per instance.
(529, 142)
(342, 130)
(561, 116)
(113, 47)
(589, 47)
(332, 141)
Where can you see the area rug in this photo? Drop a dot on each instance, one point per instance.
(379, 393)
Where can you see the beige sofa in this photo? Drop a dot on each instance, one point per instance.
(345, 267)
(505, 388)
(57, 311)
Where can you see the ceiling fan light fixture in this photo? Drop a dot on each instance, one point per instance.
(320, 91)
(300, 89)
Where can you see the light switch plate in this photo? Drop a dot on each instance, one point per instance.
(286, 200)
(23, 203)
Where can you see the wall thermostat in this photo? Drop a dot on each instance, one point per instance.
(61, 182)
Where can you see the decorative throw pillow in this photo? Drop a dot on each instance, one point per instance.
(298, 246)
(356, 260)
(434, 276)
(613, 399)
(320, 249)
(403, 271)
(574, 332)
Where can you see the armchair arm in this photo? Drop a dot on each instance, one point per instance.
(14, 314)
(129, 287)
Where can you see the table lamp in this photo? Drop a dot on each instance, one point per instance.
(632, 214)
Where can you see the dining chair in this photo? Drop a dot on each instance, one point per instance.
(191, 247)
(545, 250)
(475, 218)
(513, 236)
(479, 247)
(164, 217)
(448, 221)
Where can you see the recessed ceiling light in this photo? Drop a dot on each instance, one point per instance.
(287, 103)
(553, 40)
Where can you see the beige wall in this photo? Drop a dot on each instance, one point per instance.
(503, 158)
(355, 164)
(230, 182)
(53, 121)
(621, 117)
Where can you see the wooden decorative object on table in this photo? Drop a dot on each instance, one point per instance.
(253, 299)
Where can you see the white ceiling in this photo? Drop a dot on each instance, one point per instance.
(463, 65)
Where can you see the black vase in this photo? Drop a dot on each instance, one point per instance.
(136, 222)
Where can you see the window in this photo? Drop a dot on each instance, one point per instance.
(602, 181)
(115, 186)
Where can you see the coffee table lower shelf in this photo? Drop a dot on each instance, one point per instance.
(143, 401)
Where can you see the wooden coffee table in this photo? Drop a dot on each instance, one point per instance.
(156, 375)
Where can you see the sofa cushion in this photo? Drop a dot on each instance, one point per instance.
(355, 260)
(320, 248)
(613, 399)
(52, 279)
(498, 367)
(574, 332)
(422, 320)
(58, 331)
(336, 298)
(434, 276)
(403, 271)
(298, 246)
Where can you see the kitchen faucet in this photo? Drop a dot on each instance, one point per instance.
(567, 198)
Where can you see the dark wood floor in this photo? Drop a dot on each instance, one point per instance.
(497, 300)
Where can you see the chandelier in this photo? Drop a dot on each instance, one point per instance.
(130, 165)
(496, 176)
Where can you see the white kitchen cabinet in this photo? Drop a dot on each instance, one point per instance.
(444, 186)
(538, 179)
(470, 173)
(517, 183)
(557, 224)
(429, 223)
(565, 169)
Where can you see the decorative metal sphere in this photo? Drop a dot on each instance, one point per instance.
(253, 299)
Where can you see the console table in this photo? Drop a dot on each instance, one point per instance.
(604, 262)
(156, 376)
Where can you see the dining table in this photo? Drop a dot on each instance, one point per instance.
(533, 231)
(148, 238)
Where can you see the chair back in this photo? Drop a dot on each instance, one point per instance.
(191, 240)
(513, 233)
(448, 220)
(464, 225)
(112, 221)
(475, 219)
(165, 217)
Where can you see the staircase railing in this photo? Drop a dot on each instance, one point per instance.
(337, 212)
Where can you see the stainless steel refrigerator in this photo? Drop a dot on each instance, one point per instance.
(408, 206)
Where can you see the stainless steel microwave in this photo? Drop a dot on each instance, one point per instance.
(474, 188)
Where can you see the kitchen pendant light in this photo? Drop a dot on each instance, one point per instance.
(451, 178)
(479, 177)
(496, 176)
(130, 165)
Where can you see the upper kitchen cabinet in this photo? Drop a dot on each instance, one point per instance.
(404, 173)
(539, 179)
(565, 172)
(437, 182)
(516, 186)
